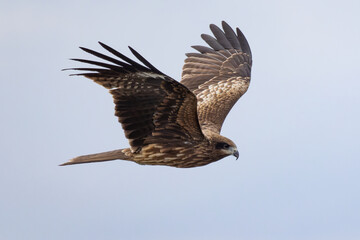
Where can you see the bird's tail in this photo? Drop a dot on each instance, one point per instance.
(98, 157)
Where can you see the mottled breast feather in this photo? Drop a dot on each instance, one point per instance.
(152, 107)
(219, 75)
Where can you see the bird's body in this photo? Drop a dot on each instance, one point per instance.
(171, 123)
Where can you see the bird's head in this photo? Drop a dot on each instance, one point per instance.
(224, 147)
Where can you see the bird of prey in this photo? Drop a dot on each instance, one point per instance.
(168, 122)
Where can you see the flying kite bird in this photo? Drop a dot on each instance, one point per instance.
(171, 123)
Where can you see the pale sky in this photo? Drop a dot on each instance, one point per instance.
(297, 128)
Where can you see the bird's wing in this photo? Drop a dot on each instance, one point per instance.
(219, 75)
(151, 106)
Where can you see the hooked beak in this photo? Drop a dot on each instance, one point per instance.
(236, 154)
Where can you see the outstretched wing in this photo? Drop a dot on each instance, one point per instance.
(151, 106)
(219, 75)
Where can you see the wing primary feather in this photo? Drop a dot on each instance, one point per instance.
(220, 36)
(144, 61)
(212, 42)
(203, 49)
(112, 67)
(243, 42)
(85, 69)
(123, 57)
(110, 59)
(231, 36)
(90, 75)
(99, 70)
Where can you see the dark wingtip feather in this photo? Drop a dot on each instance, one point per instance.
(212, 42)
(203, 49)
(118, 54)
(107, 58)
(220, 36)
(76, 74)
(243, 42)
(114, 65)
(230, 35)
(101, 64)
(144, 61)
(125, 58)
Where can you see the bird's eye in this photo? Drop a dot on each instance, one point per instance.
(222, 145)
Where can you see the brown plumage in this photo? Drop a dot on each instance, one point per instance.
(171, 123)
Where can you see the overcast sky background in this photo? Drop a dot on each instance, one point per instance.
(297, 128)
